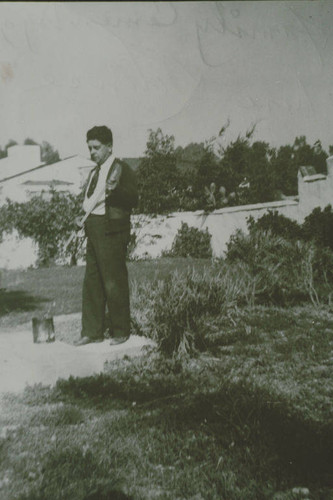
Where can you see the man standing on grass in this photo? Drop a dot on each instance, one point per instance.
(110, 195)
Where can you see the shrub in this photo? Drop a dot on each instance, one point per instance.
(277, 224)
(6, 225)
(49, 222)
(176, 308)
(318, 226)
(191, 242)
(178, 304)
(57, 416)
(283, 271)
(321, 273)
(259, 269)
(323, 265)
(317, 257)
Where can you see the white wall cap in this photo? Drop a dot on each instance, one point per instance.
(313, 178)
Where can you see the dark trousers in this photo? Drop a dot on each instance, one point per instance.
(105, 281)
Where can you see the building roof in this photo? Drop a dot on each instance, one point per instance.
(19, 160)
(47, 183)
(67, 170)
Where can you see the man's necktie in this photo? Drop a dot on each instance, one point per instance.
(93, 182)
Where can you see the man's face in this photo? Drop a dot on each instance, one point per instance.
(99, 152)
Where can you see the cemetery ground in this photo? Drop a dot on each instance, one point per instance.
(248, 415)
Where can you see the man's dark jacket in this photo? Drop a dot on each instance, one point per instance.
(120, 201)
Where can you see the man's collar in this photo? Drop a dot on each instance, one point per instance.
(108, 162)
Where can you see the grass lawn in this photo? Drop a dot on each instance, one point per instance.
(249, 418)
(57, 290)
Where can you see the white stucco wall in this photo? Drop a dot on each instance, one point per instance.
(17, 253)
(154, 235)
(158, 234)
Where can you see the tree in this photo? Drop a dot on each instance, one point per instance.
(234, 163)
(304, 154)
(159, 144)
(319, 158)
(188, 160)
(246, 171)
(260, 174)
(48, 153)
(158, 175)
(290, 158)
(205, 180)
(240, 173)
(9, 144)
(189, 156)
(285, 170)
(191, 163)
(30, 142)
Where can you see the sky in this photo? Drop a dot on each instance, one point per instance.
(185, 67)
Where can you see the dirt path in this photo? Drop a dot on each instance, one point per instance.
(24, 363)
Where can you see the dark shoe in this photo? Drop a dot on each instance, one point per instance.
(118, 340)
(86, 340)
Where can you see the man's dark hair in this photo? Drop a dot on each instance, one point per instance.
(102, 134)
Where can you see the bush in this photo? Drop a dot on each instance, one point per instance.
(277, 224)
(323, 272)
(191, 242)
(260, 268)
(175, 309)
(6, 225)
(314, 237)
(177, 306)
(284, 272)
(57, 416)
(49, 222)
(318, 226)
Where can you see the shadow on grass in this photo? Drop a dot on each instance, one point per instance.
(70, 473)
(299, 449)
(285, 443)
(18, 300)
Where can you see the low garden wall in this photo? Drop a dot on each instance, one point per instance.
(156, 234)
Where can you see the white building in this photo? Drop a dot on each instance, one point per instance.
(23, 175)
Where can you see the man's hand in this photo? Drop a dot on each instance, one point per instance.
(78, 222)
